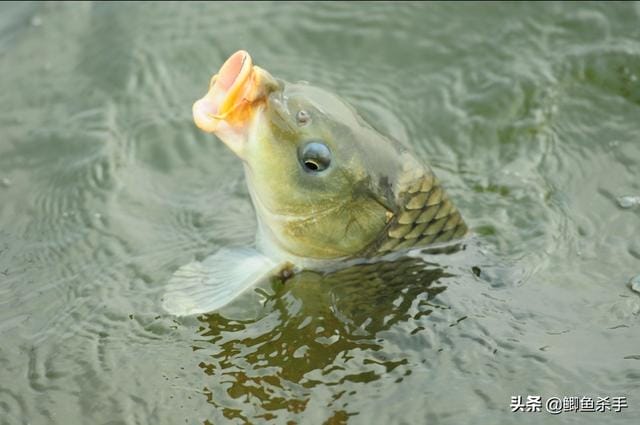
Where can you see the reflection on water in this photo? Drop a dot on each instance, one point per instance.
(313, 327)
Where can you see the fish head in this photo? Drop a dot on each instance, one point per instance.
(321, 178)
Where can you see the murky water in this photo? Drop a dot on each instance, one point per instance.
(529, 113)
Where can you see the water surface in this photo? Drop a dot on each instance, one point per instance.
(529, 114)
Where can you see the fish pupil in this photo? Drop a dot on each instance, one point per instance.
(311, 165)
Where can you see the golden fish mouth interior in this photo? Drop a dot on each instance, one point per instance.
(234, 93)
(224, 90)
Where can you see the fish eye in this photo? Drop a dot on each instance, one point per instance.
(303, 117)
(315, 157)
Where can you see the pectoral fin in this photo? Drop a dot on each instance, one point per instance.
(201, 287)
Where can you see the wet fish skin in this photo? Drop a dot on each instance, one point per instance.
(378, 199)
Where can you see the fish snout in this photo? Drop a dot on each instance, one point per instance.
(234, 95)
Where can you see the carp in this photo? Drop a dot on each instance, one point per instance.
(329, 190)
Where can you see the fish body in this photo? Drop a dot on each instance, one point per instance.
(328, 189)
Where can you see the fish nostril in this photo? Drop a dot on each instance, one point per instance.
(303, 117)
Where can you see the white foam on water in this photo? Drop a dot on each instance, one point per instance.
(628, 201)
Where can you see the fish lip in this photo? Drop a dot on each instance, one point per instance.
(224, 86)
(236, 65)
(235, 94)
(233, 78)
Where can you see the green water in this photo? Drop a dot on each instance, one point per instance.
(529, 114)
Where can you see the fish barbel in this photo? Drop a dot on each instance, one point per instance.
(328, 189)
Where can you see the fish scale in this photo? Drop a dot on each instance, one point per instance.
(426, 216)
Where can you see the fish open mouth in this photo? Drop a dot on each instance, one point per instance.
(233, 93)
